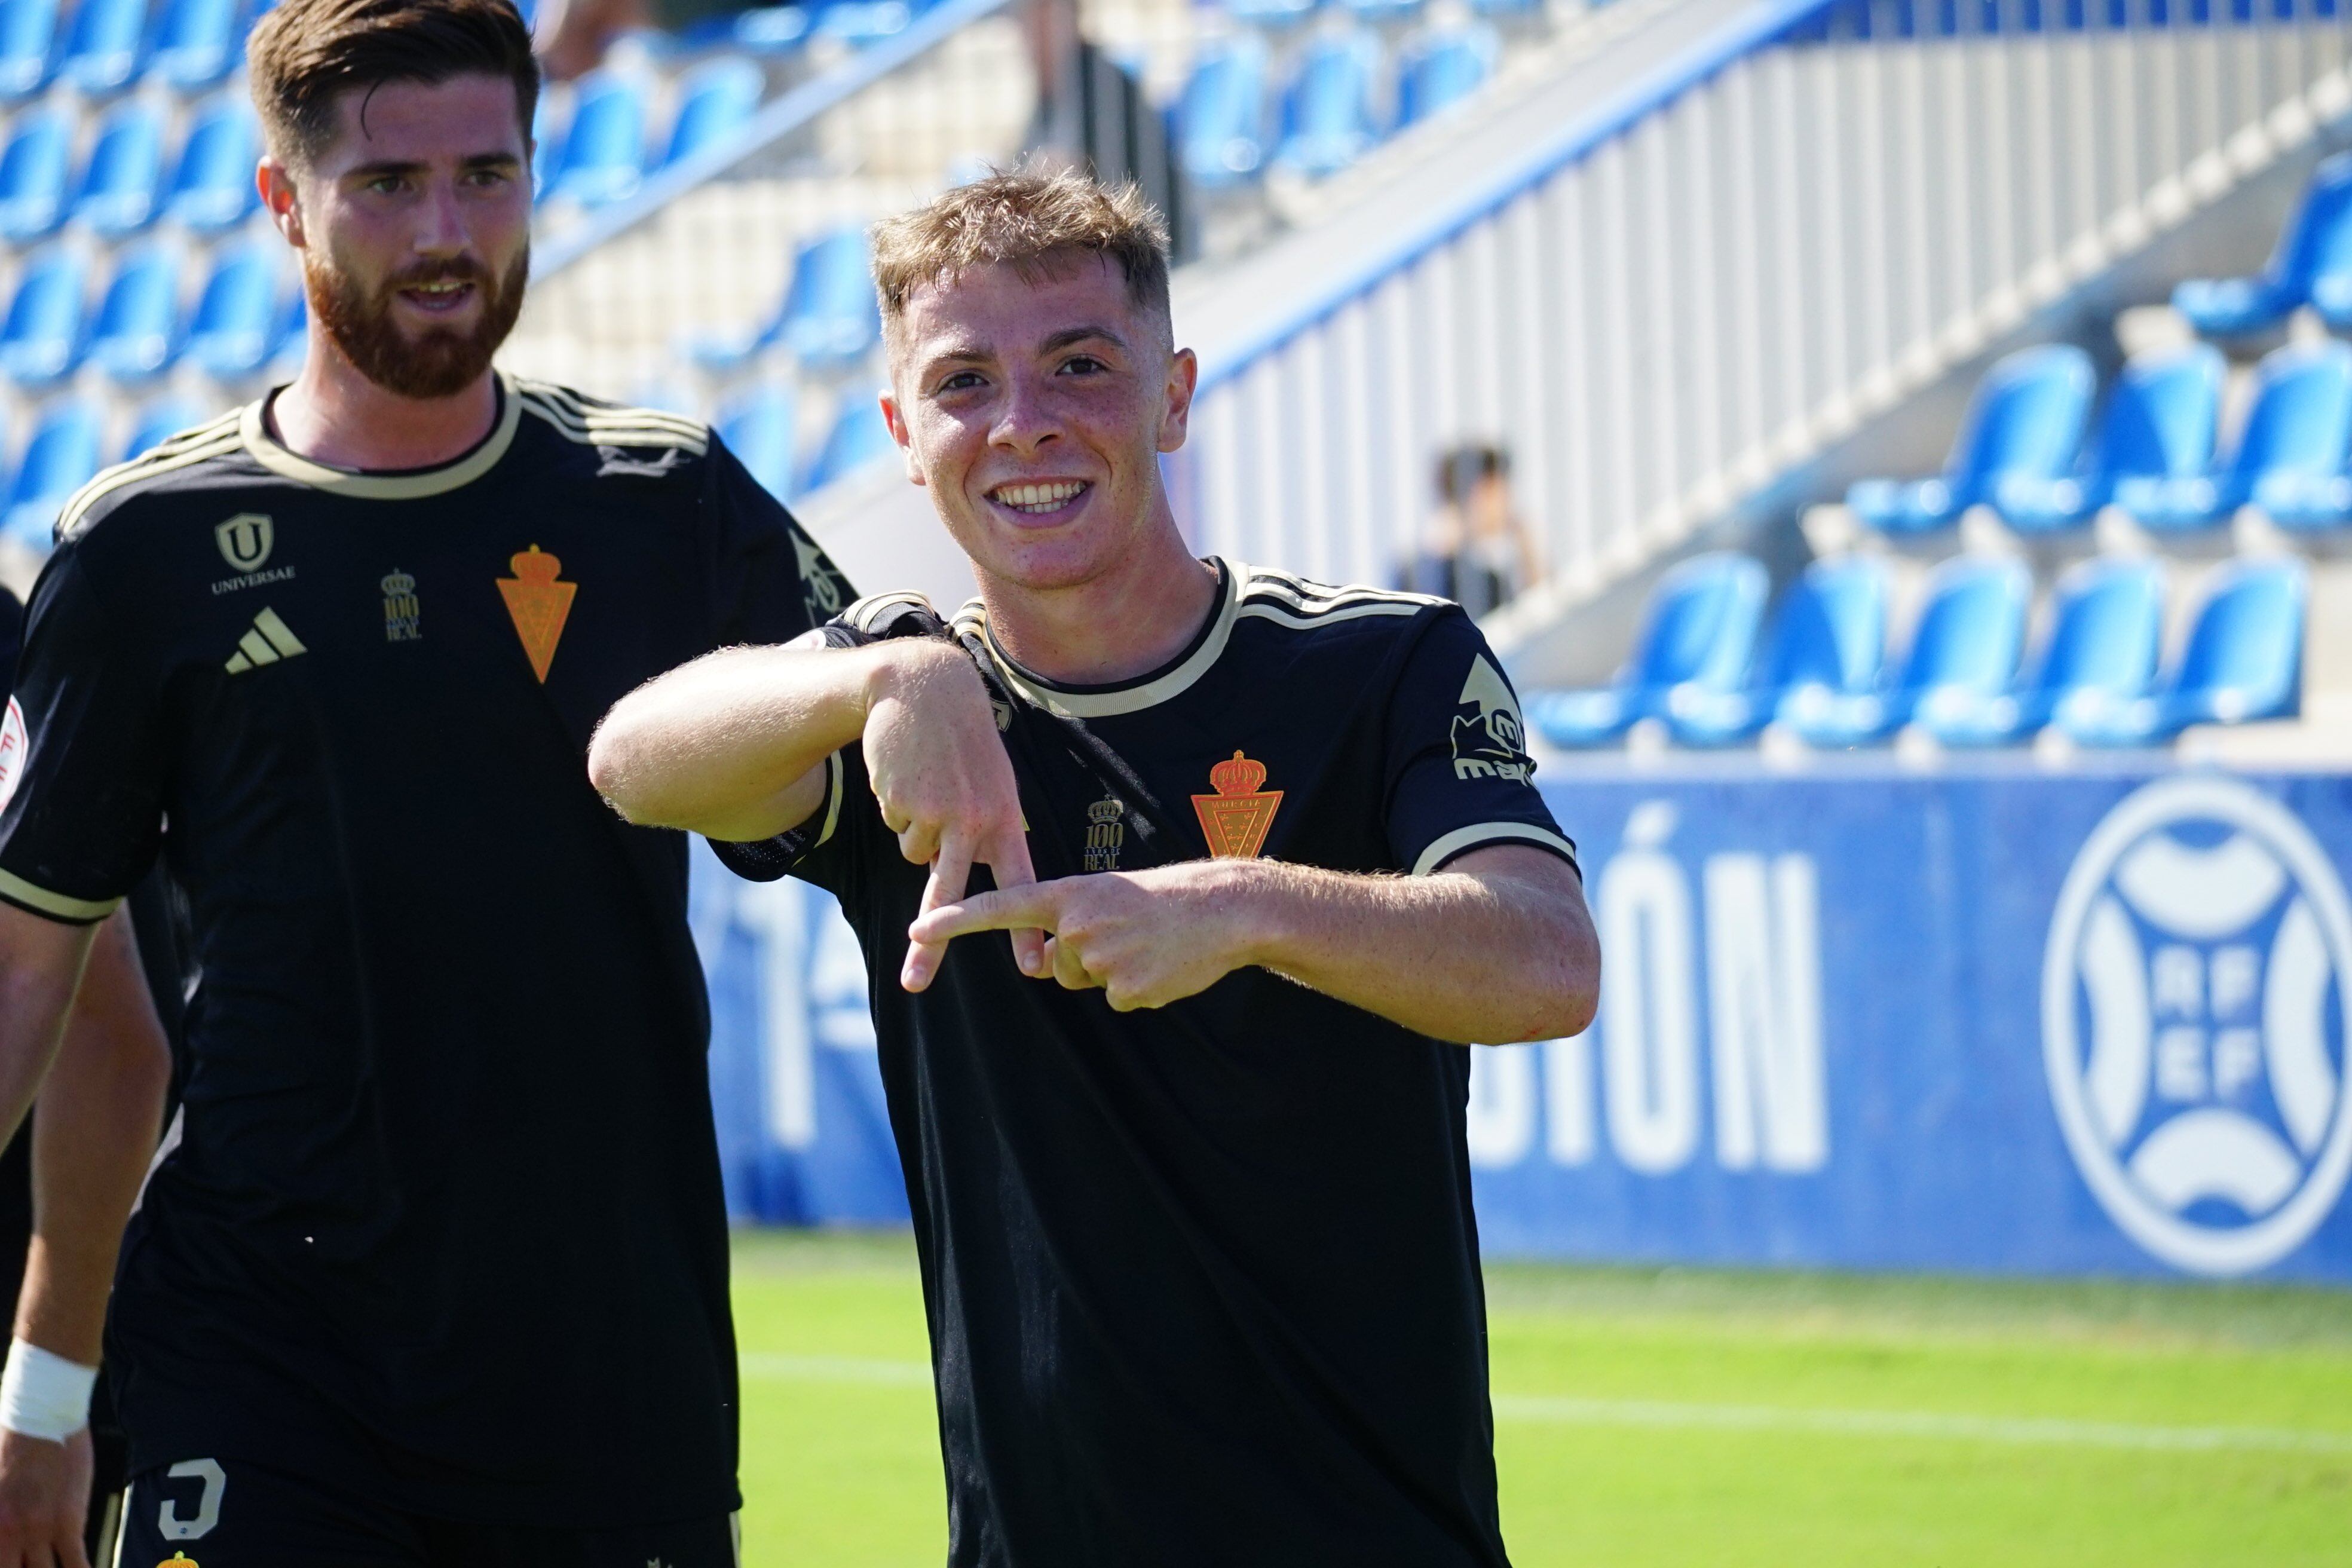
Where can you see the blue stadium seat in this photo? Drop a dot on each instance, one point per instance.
(2313, 263)
(1696, 641)
(2025, 421)
(604, 155)
(1328, 117)
(1390, 11)
(858, 437)
(770, 29)
(131, 338)
(196, 42)
(714, 100)
(2289, 459)
(2243, 662)
(102, 44)
(213, 186)
(1821, 661)
(828, 316)
(1964, 659)
(232, 333)
(164, 417)
(59, 459)
(546, 146)
(757, 428)
(35, 173)
(28, 31)
(2160, 429)
(1443, 69)
(2106, 627)
(858, 23)
(1221, 118)
(40, 340)
(118, 190)
(1270, 13)
(289, 340)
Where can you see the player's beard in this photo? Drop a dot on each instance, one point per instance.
(438, 362)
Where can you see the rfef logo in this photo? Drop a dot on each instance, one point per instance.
(2194, 1023)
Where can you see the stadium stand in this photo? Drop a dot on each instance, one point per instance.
(2312, 265)
(2155, 438)
(1693, 652)
(2023, 430)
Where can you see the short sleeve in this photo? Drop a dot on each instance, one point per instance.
(770, 582)
(80, 756)
(1459, 774)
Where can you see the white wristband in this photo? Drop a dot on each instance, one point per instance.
(42, 1394)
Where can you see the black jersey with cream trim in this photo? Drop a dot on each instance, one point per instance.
(1202, 1281)
(442, 1216)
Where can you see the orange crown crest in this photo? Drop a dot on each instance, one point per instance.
(1239, 776)
(1235, 820)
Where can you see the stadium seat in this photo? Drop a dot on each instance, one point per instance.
(770, 29)
(858, 23)
(28, 29)
(1695, 644)
(757, 428)
(1327, 119)
(213, 186)
(1221, 118)
(59, 460)
(164, 417)
(1270, 13)
(131, 338)
(2289, 459)
(1822, 660)
(196, 42)
(2157, 432)
(828, 316)
(604, 152)
(2312, 264)
(858, 437)
(35, 172)
(231, 333)
(2105, 628)
(40, 340)
(118, 190)
(713, 99)
(1390, 11)
(289, 340)
(546, 144)
(102, 44)
(2243, 662)
(1441, 69)
(2025, 421)
(1962, 670)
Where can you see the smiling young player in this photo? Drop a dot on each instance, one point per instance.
(434, 1270)
(1187, 1169)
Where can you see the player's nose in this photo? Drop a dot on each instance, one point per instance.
(1026, 421)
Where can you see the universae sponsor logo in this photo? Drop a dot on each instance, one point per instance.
(2195, 1027)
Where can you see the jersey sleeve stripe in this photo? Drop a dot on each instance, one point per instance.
(1448, 846)
(1308, 621)
(620, 432)
(57, 906)
(166, 458)
(832, 781)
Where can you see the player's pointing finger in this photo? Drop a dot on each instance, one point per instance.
(1008, 862)
(1036, 907)
(950, 872)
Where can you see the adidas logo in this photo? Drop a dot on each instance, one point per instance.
(270, 640)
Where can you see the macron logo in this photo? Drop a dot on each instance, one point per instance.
(270, 640)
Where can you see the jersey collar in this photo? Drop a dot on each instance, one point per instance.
(271, 454)
(1102, 701)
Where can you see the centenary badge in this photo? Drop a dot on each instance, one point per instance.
(538, 604)
(2195, 1026)
(1235, 820)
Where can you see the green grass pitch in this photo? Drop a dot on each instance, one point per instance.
(1668, 1417)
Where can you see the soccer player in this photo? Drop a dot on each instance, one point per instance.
(1189, 1175)
(434, 1270)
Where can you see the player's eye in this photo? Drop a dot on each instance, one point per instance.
(484, 179)
(387, 184)
(1083, 364)
(962, 381)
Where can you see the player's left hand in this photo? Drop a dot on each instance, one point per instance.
(1143, 938)
(43, 1500)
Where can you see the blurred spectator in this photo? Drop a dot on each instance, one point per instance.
(1477, 550)
(1092, 114)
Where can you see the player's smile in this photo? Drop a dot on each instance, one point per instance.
(1041, 502)
(444, 297)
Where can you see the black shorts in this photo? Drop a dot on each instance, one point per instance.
(207, 1513)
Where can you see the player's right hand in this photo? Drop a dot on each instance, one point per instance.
(43, 1501)
(946, 788)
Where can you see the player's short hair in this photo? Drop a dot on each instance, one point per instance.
(305, 54)
(1028, 219)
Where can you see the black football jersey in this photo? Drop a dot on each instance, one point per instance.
(442, 1213)
(1202, 1281)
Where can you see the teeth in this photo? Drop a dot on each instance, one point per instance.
(1037, 497)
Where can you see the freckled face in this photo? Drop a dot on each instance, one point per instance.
(1035, 411)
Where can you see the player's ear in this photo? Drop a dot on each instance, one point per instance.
(1183, 375)
(897, 420)
(275, 182)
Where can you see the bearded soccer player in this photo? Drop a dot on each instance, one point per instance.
(434, 1270)
(1186, 1157)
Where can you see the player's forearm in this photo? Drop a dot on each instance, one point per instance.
(1478, 955)
(716, 746)
(94, 1133)
(40, 964)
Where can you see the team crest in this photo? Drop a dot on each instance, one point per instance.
(1235, 820)
(245, 540)
(540, 604)
(1105, 832)
(177, 1560)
